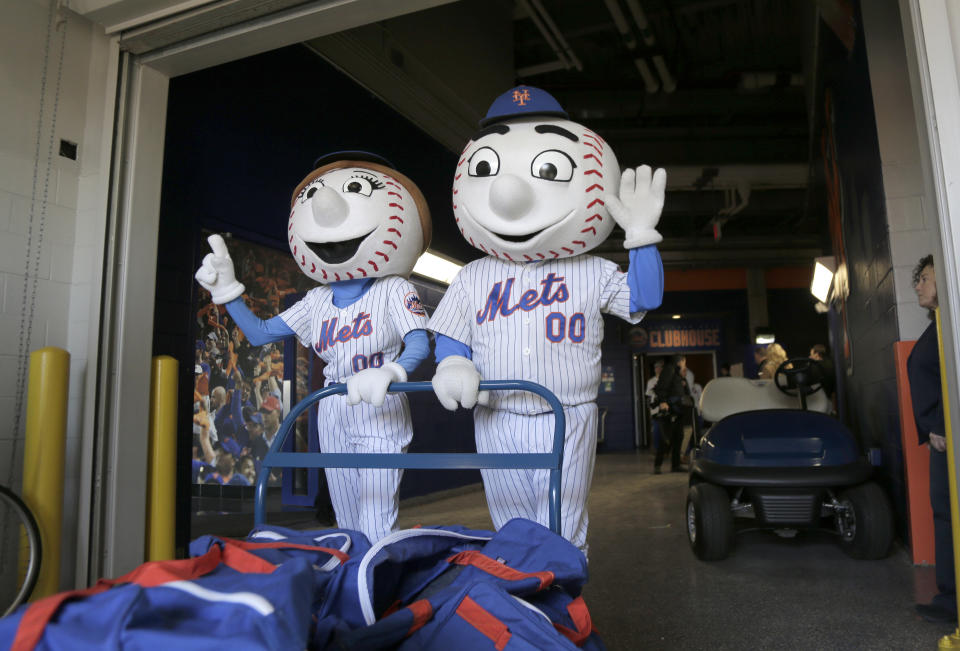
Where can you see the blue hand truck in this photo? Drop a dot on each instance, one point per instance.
(552, 461)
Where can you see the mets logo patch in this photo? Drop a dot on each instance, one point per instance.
(412, 302)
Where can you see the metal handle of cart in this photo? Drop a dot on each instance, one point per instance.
(552, 461)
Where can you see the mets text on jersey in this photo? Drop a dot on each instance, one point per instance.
(330, 335)
(498, 301)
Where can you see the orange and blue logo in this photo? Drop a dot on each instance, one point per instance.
(412, 302)
(521, 96)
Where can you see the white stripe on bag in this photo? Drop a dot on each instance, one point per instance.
(249, 599)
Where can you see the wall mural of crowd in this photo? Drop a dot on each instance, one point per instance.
(237, 398)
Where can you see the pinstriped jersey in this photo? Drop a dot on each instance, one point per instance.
(537, 321)
(362, 335)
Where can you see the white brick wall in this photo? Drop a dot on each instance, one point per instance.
(69, 198)
(909, 216)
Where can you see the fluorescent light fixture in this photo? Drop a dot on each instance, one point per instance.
(437, 267)
(676, 316)
(823, 270)
(763, 335)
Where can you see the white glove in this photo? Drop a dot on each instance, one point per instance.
(457, 381)
(370, 385)
(216, 274)
(638, 208)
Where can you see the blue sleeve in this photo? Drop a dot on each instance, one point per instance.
(645, 279)
(257, 331)
(447, 347)
(416, 347)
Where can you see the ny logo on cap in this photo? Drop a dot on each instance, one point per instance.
(521, 96)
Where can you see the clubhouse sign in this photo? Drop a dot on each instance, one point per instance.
(676, 336)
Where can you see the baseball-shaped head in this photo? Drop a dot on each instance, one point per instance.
(529, 184)
(354, 216)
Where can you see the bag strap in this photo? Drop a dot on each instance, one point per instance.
(279, 544)
(38, 614)
(485, 622)
(480, 561)
(422, 612)
(581, 620)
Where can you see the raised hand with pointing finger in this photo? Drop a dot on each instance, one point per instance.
(216, 273)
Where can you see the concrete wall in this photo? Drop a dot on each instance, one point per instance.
(58, 85)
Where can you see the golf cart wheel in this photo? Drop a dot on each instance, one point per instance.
(866, 525)
(709, 522)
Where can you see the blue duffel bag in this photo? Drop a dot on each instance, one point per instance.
(478, 587)
(225, 598)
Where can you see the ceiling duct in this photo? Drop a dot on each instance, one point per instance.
(566, 58)
(667, 83)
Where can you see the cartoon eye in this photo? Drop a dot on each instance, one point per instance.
(552, 165)
(484, 162)
(309, 191)
(358, 185)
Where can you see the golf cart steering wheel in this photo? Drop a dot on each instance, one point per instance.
(799, 376)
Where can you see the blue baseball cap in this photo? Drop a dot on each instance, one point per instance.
(521, 101)
(365, 156)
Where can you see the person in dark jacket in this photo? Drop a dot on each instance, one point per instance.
(923, 372)
(669, 393)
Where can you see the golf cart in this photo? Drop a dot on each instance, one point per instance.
(774, 459)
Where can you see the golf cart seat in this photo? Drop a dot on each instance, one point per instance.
(724, 396)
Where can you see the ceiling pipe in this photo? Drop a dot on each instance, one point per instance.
(621, 22)
(545, 32)
(669, 85)
(552, 26)
(566, 58)
(640, 18)
(736, 198)
(649, 81)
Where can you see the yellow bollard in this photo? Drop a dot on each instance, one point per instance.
(949, 641)
(46, 434)
(162, 470)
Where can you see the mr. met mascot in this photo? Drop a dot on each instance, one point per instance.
(535, 192)
(357, 226)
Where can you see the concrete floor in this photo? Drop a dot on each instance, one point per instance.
(648, 591)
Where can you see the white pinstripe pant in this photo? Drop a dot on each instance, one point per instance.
(525, 493)
(365, 499)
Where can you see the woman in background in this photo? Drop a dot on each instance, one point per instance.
(773, 357)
